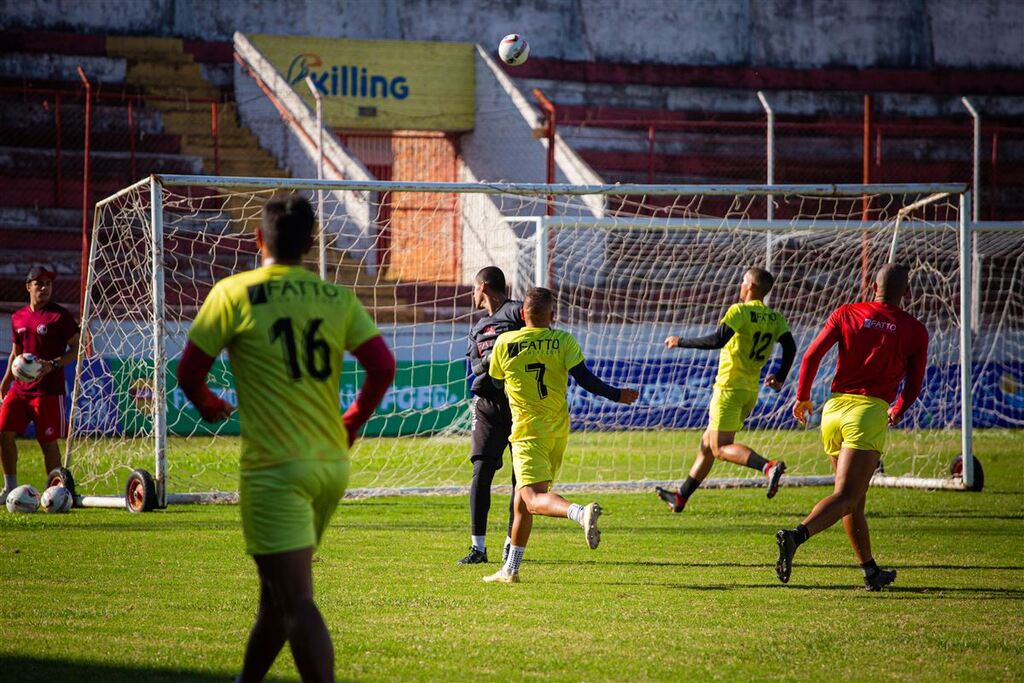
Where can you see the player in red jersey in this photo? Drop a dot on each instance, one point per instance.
(50, 332)
(880, 345)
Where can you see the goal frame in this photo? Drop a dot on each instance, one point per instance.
(544, 225)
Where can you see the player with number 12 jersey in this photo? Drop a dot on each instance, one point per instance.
(746, 336)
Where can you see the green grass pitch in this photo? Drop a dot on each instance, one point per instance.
(169, 596)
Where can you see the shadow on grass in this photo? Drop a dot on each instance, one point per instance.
(975, 593)
(26, 668)
(756, 565)
(38, 669)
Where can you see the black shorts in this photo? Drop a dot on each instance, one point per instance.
(492, 425)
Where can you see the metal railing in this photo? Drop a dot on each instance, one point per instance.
(666, 147)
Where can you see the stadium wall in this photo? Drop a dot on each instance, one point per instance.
(807, 34)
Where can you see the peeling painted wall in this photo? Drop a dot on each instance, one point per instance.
(782, 33)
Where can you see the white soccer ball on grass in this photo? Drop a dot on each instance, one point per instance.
(24, 498)
(56, 499)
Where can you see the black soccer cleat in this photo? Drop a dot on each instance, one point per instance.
(476, 556)
(675, 502)
(879, 580)
(776, 468)
(786, 540)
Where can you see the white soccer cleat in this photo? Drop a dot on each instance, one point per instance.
(502, 576)
(3, 497)
(590, 514)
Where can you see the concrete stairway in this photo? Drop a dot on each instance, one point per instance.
(161, 68)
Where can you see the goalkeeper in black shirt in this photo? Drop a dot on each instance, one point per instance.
(492, 419)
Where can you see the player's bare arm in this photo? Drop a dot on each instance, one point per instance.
(5, 383)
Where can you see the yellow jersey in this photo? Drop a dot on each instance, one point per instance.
(285, 331)
(756, 329)
(534, 363)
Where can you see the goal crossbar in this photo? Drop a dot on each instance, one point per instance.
(153, 186)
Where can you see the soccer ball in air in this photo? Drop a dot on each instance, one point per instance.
(513, 49)
(56, 499)
(25, 498)
(26, 368)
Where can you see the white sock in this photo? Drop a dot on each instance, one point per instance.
(10, 481)
(508, 542)
(576, 513)
(480, 543)
(515, 558)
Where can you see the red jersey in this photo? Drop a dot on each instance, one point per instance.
(44, 333)
(879, 345)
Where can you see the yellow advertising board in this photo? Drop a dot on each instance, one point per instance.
(380, 84)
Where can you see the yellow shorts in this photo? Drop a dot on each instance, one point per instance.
(854, 421)
(288, 506)
(537, 460)
(729, 408)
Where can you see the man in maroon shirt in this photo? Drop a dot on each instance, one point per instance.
(50, 333)
(880, 344)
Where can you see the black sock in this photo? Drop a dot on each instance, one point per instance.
(480, 495)
(869, 568)
(756, 462)
(688, 487)
(802, 534)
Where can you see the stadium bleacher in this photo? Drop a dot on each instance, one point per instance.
(151, 113)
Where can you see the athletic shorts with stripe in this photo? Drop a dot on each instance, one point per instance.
(45, 411)
(492, 425)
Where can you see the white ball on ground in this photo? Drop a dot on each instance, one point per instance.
(56, 499)
(26, 368)
(513, 49)
(24, 498)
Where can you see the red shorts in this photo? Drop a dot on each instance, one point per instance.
(46, 411)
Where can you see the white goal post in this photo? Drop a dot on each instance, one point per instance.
(629, 264)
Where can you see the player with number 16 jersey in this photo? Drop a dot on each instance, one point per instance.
(286, 331)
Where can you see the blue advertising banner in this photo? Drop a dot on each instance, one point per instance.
(674, 395)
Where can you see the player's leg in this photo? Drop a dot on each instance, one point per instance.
(267, 637)
(855, 525)
(522, 525)
(487, 444)
(734, 406)
(285, 510)
(14, 417)
(702, 464)
(724, 447)
(289, 576)
(511, 517)
(51, 427)
(854, 469)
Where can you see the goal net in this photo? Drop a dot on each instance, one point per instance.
(629, 265)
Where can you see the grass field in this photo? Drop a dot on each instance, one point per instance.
(169, 596)
(211, 463)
